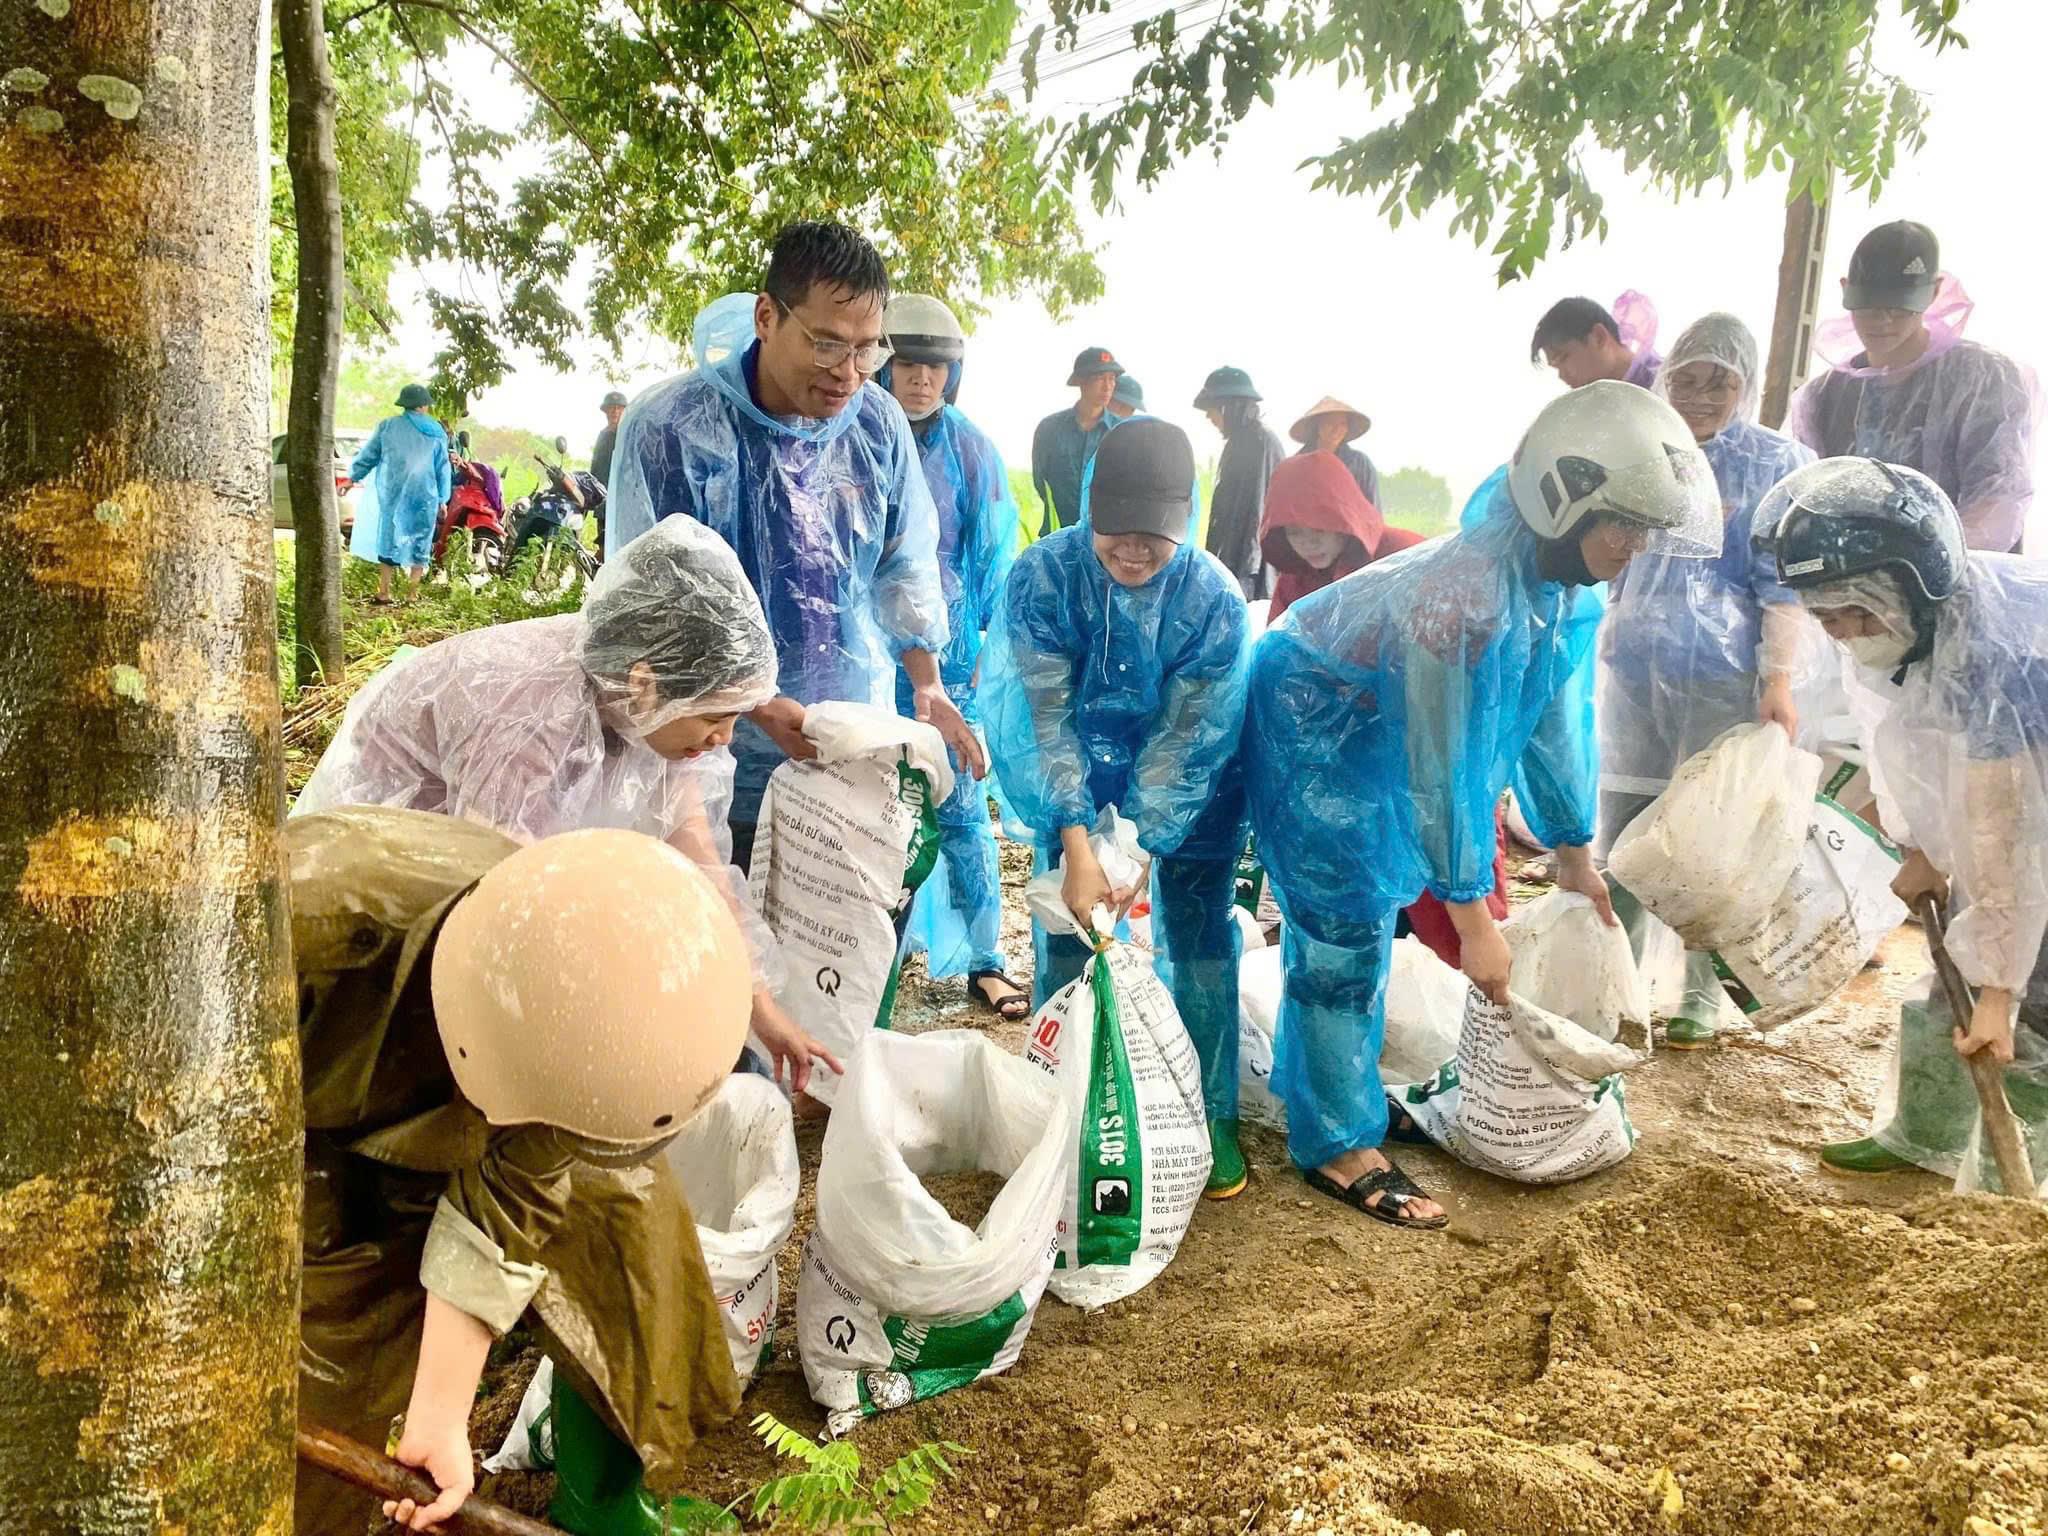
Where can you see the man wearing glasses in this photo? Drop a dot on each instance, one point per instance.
(778, 442)
(1906, 388)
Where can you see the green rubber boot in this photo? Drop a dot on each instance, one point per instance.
(598, 1491)
(1862, 1156)
(1227, 1174)
(1683, 1034)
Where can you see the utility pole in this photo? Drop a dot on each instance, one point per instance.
(1799, 274)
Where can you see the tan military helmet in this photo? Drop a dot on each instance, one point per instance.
(596, 982)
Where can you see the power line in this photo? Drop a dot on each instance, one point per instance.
(1101, 49)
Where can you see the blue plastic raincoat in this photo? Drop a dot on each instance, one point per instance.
(1679, 656)
(405, 463)
(1387, 713)
(957, 921)
(832, 521)
(1097, 695)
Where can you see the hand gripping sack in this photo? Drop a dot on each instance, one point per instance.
(896, 1301)
(1827, 922)
(1113, 1043)
(1531, 1096)
(1712, 852)
(1568, 962)
(736, 1160)
(842, 845)
(1425, 1010)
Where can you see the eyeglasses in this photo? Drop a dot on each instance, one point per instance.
(828, 353)
(1721, 387)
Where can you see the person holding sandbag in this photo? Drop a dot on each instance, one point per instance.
(1949, 677)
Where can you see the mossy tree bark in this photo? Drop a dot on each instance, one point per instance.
(316, 341)
(149, 1140)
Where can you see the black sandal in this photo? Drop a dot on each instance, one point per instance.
(1012, 1009)
(1401, 1125)
(1394, 1188)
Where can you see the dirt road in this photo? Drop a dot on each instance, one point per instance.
(1714, 1337)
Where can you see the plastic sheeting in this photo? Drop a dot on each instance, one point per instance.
(405, 465)
(502, 726)
(1095, 694)
(1679, 654)
(958, 917)
(1387, 714)
(1389, 711)
(832, 521)
(1961, 413)
(1959, 762)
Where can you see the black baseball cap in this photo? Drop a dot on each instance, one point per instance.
(1894, 267)
(1143, 481)
(1093, 360)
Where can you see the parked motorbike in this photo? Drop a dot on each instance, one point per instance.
(472, 509)
(553, 518)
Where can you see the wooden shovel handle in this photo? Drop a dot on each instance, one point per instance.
(354, 1462)
(2014, 1170)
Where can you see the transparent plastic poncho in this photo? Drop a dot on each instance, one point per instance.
(957, 920)
(1962, 414)
(1959, 762)
(1686, 640)
(407, 478)
(1390, 710)
(978, 540)
(1096, 695)
(832, 522)
(525, 727)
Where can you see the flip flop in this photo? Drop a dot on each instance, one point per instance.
(1394, 1188)
(1401, 1125)
(1011, 1009)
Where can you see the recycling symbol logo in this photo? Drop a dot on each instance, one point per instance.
(840, 1333)
(828, 981)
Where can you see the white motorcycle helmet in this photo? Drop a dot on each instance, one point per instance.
(922, 329)
(1613, 450)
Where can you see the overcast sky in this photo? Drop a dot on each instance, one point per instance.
(1240, 262)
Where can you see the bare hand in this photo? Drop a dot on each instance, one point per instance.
(1776, 706)
(935, 708)
(1916, 878)
(781, 720)
(1990, 1026)
(1575, 872)
(1485, 959)
(442, 1452)
(789, 1045)
(1084, 887)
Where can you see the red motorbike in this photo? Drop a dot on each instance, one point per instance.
(476, 507)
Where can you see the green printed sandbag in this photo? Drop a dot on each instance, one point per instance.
(896, 1301)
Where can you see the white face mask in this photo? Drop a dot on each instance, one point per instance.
(1877, 653)
(927, 415)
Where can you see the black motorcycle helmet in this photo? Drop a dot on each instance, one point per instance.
(1843, 517)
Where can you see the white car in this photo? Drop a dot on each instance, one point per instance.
(346, 446)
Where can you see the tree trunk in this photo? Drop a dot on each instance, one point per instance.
(1798, 307)
(316, 340)
(149, 1132)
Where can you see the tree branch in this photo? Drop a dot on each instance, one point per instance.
(462, 20)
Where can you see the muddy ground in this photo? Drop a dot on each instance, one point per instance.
(1714, 1337)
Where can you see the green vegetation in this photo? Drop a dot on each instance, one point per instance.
(829, 1495)
(1498, 101)
(1415, 499)
(675, 138)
